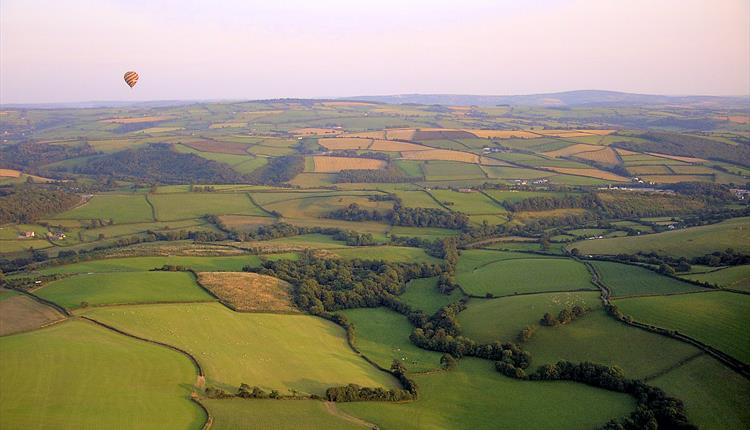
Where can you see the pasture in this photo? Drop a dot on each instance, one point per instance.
(715, 397)
(719, 319)
(423, 294)
(599, 338)
(627, 280)
(527, 275)
(690, 242)
(383, 336)
(735, 277)
(475, 396)
(451, 170)
(76, 375)
(299, 352)
(195, 205)
(326, 164)
(469, 203)
(121, 208)
(99, 289)
(488, 320)
(237, 414)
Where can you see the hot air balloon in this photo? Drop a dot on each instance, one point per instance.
(131, 78)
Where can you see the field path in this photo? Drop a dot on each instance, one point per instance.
(333, 410)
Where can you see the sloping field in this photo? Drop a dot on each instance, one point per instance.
(737, 277)
(332, 143)
(719, 319)
(649, 170)
(451, 170)
(626, 280)
(302, 352)
(123, 287)
(591, 173)
(316, 206)
(417, 199)
(232, 263)
(605, 156)
(503, 134)
(216, 146)
(243, 414)
(121, 208)
(715, 397)
(573, 150)
(423, 294)
(441, 154)
(678, 158)
(475, 396)
(246, 291)
(135, 120)
(383, 336)
(529, 275)
(326, 164)
(76, 375)
(20, 313)
(733, 233)
(468, 203)
(502, 319)
(599, 338)
(10, 173)
(194, 205)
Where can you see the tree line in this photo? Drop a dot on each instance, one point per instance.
(27, 203)
(404, 216)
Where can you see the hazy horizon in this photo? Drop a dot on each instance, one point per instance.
(68, 52)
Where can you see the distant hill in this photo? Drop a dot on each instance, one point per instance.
(562, 99)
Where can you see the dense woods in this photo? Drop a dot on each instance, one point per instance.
(30, 155)
(390, 174)
(158, 163)
(27, 203)
(278, 170)
(403, 216)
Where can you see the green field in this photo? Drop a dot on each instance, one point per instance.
(423, 294)
(599, 338)
(121, 208)
(383, 336)
(719, 319)
(475, 396)
(272, 351)
(123, 287)
(423, 232)
(691, 242)
(502, 319)
(230, 263)
(715, 397)
(417, 199)
(736, 277)
(473, 259)
(527, 275)
(244, 414)
(468, 203)
(386, 253)
(76, 375)
(194, 205)
(627, 280)
(451, 170)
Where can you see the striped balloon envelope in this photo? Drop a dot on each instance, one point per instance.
(131, 78)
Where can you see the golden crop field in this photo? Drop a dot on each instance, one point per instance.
(9, 173)
(388, 145)
(366, 134)
(605, 155)
(441, 154)
(625, 152)
(571, 133)
(678, 158)
(598, 132)
(591, 173)
(399, 133)
(135, 120)
(249, 292)
(326, 164)
(573, 150)
(336, 143)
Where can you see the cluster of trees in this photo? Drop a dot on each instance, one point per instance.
(585, 201)
(278, 170)
(565, 316)
(670, 265)
(202, 189)
(526, 333)
(390, 174)
(351, 153)
(355, 393)
(325, 285)
(245, 392)
(655, 408)
(729, 257)
(687, 145)
(159, 163)
(404, 216)
(352, 238)
(703, 191)
(27, 155)
(27, 203)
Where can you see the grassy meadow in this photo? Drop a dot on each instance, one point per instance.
(627, 280)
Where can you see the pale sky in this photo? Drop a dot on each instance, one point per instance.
(62, 51)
